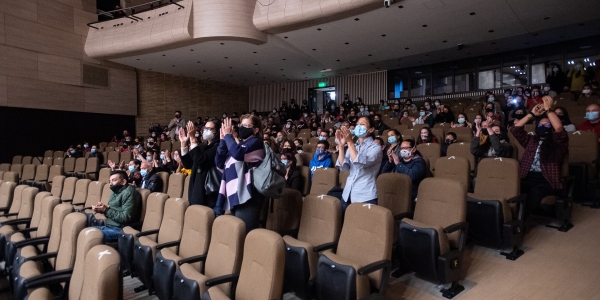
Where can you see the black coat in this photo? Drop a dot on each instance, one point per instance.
(152, 182)
(200, 160)
(295, 181)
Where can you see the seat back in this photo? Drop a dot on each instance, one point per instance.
(94, 193)
(166, 145)
(104, 175)
(11, 176)
(59, 154)
(343, 178)
(37, 160)
(81, 190)
(86, 240)
(58, 217)
(68, 189)
(7, 190)
(196, 235)
(164, 177)
(583, 148)
(261, 275)
(438, 207)
(113, 144)
(16, 202)
(27, 160)
(41, 173)
(37, 210)
(285, 212)
(126, 156)
(92, 165)
(305, 173)
(69, 164)
(463, 150)
(5, 167)
(171, 226)
(73, 224)
(17, 168)
(80, 164)
(48, 153)
(144, 194)
(57, 185)
(114, 156)
(17, 160)
(306, 158)
(453, 167)
(321, 220)
(431, 151)
(54, 171)
(367, 236)
(101, 278)
(155, 207)
(58, 161)
(44, 225)
(28, 172)
(324, 179)
(410, 134)
(175, 188)
(28, 197)
(394, 192)
(48, 161)
(106, 191)
(498, 178)
(186, 188)
(463, 134)
(176, 145)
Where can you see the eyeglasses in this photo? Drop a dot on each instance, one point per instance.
(544, 125)
(245, 125)
(209, 128)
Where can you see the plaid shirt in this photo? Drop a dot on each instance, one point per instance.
(550, 170)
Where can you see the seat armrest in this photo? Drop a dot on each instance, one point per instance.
(17, 221)
(408, 214)
(26, 230)
(32, 242)
(456, 226)
(49, 275)
(192, 259)
(325, 246)
(68, 200)
(168, 244)
(372, 267)
(223, 279)
(47, 281)
(516, 199)
(4, 208)
(149, 232)
(42, 256)
(9, 215)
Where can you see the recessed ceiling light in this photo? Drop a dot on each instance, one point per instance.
(383, 35)
(308, 65)
(418, 72)
(472, 13)
(400, 6)
(285, 37)
(231, 67)
(444, 41)
(370, 55)
(582, 24)
(376, 68)
(314, 49)
(256, 64)
(372, 64)
(426, 54)
(254, 52)
(164, 55)
(280, 69)
(137, 59)
(490, 31)
(493, 43)
(198, 61)
(173, 65)
(319, 29)
(535, 34)
(347, 43)
(150, 69)
(527, 43)
(284, 59)
(357, 19)
(547, 18)
(191, 49)
(424, 25)
(226, 57)
(469, 53)
(337, 60)
(406, 48)
(222, 43)
(204, 71)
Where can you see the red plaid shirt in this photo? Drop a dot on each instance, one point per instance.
(550, 170)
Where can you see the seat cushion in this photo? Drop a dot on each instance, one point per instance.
(506, 210)
(442, 237)
(192, 274)
(129, 230)
(7, 230)
(29, 251)
(41, 294)
(30, 269)
(549, 200)
(216, 293)
(145, 241)
(363, 286)
(313, 257)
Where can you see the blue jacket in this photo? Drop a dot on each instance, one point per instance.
(416, 169)
(315, 163)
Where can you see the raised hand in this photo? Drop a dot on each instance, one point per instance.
(183, 137)
(346, 134)
(538, 110)
(548, 102)
(226, 128)
(111, 164)
(191, 129)
(340, 138)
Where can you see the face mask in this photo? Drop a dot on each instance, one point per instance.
(422, 113)
(143, 172)
(461, 120)
(578, 67)
(245, 132)
(437, 104)
(321, 138)
(487, 110)
(546, 89)
(543, 131)
(506, 95)
(150, 144)
(357, 101)
(274, 111)
(287, 126)
(177, 116)
(154, 134)
(359, 131)
(405, 153)
(477, 121)
(162, 157)
(131, 169)
(224, 116)
(197, 135)
(366, 109)
(448, 142)
(319, 152)
(391, 139)
(405, 115)
(116, 187)
(149, 158)
(284, 162)
(278, 139)
(528, 94)
(535, 94)
(424, 136)
(555, 69)
(362, 109)
(333, 107)
(591, 115)
(176, 157)
(208, 135)
(85, 145)
(93, 150)
(428, 106)
(72, 151)
(491, 99)
(586, 91)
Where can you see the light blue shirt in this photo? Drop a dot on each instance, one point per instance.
(360, 186)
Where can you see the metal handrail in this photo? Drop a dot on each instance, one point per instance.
(133, 12)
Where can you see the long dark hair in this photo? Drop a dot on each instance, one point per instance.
(429, 135)
(565, 119)
(291, 157)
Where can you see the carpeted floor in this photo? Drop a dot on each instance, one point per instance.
(555, 265)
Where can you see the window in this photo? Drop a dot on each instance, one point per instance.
(442, 79)
(489, 73)
(420, 81)
(464, 76)
(515, 69)
(398, 84)
(543, 61)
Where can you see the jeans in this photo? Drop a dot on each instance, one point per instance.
(111, 234)
(345, 204)
(536, 187)
(249, 211)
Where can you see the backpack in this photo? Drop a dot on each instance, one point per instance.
(268, 178)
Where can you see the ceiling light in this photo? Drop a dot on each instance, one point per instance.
(285, 37)
(357, 19)
(444, 41)
(222, 43)
(547, 18)
(400, 6)
(383, 35)
(319, 29)
(406, 48)
(472, 13)
(490, 31)
(325, 70)
(347, 43)
(425, 25)
(314, 49)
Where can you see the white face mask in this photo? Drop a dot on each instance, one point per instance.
(546, 88)
(224, 116)
(586, 91)
(197, 135)
(287, 126)
(405, 153)
(208, 135)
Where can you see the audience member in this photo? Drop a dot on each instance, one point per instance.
(462, 121)
(321, 158)
(587, 95)
(150, 180)
(577, 77)
(426, 136)
(394, 140)
(176, 123)
(298, 143)
(445, 115)
(93, 151)
(135, 178)
(450, 139)
(556, 77)
(293, 179)
(73, 152)
(563, 115)
(490, 141)
(380, 127)
(592, 120)
(409, 162)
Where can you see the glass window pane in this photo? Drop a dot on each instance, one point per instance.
(489, 79)
(442, 79)
(420, 81)
(583, 52)
(515, 69)
(464, 76)
(398, 84)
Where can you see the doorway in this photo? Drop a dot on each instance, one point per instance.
(318, 98)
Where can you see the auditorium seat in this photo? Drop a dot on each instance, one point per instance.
(53, 172)
(343, 177)
(176, 145)
(94, 195)
(68, 189)
(175, 186)
(59, 154)
(80, 165)
(432, 241)
(261, 274)
(27, 160)
(583, 155)
(69, 165)
(126, 157)
(164, 177)
(11, 212)
(560, 207)
(439, 134)
(48, 161)
(113, 144)
(104, 175)
(166, 145)
(361, 264)
(5, 167)
(394, 192)
(62, 259)
(17, 168)
(99, 219)
(463, 150)
(412, 134)
(113, 156)
(431, 151)
(324, 179)
(91, 169)
(194, 242)
(284, 213)
(463, 134)
(22, 216)
(81, 190)
(320, 225)
(57, 186)
(59, 161)
(48, 153)
(492, 222)
(17, 160)
(145, 250)
(28, 173)
(186, 188)
(454, 167)
(306, 158)
(41, 176)
(305, 173)
(7, 190)
(152, 218)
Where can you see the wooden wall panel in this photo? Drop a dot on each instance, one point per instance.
(371, 87)
(41, 38)
(30, 93)
(2, 33)
(24, 9)
(123, 81)
(3, 92)
(18, 62)
(81, 19)
(56, 15)
(73, 3)
(109, 102)
(59, 69)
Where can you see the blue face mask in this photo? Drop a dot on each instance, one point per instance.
(162, 156)
(143, 172)
(391, 139)
(461, 120)
(284, 162)
(591, 115)
(149, 158)
(93, 150)
(72, 151)
(359, 131)
(422, 114)
(131, 169)
(321, 138)
(319, 152)
(491, 99)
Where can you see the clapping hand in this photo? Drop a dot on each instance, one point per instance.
(548, 102)
(538, 110)
(111, 164)
(340, 137)
(227, 128)
(191, 129)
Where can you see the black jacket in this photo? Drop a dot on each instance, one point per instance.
(200, 160)
(152, 182)
(295, 181)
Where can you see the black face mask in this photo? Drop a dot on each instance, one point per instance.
(245, 132)
(488, 110)
(448, 142)
(115, 188)
(518, 116)
(484, 131)
(177, 116)
(543, 132)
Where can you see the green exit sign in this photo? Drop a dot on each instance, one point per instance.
(322, 84)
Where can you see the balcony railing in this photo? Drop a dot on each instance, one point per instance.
(130, 12)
